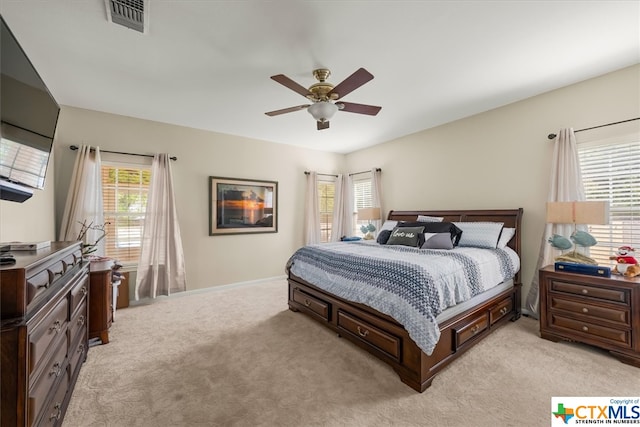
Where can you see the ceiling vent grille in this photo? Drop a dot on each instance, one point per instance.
(130, 13)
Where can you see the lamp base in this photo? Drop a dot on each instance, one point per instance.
(576, 258)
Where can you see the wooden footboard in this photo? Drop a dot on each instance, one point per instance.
(386, 339)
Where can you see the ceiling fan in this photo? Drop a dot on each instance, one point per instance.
(325, 96)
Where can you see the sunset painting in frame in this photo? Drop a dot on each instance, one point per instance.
(240, 206)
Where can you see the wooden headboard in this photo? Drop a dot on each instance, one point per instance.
(510, 217)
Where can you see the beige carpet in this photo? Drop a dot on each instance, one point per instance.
(238, 357)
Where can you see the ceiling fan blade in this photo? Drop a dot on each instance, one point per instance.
(286, 81)
(350, 107)
(351, 83)
(323, 125)
(287, 110)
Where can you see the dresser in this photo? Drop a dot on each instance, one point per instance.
(599, 311)
(43, 337)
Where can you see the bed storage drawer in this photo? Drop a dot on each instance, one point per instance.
(502, 309)
(376, 337)
(471, 329)
(313, 304)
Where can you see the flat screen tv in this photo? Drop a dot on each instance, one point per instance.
(29, 116)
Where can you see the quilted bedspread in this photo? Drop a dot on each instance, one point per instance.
(411, 285)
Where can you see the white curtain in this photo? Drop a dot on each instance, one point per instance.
(84, 199)
(161, 269)
(376, 193)
(342, 222)
(566, 186)
(311, 212)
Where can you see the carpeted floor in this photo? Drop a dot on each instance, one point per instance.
(236, 356)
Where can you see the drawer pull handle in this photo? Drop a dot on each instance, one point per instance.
(362, 332)
(585, 328)
(80, 348)
(83, 290)
(307, 303)
(585, 291)
(585, 310)
(504, 310)
(56, 370)
(58, 413)
(81, 320)
(475, 329)
(56, 326)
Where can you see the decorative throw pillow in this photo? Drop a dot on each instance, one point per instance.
(383, 236)
(506, 236)
(407, 236)
(425, 218)
(480, 234)
(388, 225)
(436, 227)
(437, 241)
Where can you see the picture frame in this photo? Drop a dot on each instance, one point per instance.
(242, 206)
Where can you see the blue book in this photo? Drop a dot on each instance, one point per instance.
(591, 270)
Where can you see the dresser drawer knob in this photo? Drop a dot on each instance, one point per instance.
(81, 320)
(83, 290)
(585, 328)
(585, 291)
(58, 413)
(80, 348)
(307, 303)
(56, 370)
(585, 310)
(56, 326)
(362, 332)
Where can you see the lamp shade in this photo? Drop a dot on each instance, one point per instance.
(368, 214)
(322, 111)
(578, 212)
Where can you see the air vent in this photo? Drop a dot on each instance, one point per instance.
(130, 13)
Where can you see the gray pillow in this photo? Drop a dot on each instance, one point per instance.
(407, 236)
(437, 241)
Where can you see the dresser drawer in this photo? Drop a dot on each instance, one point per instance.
(599, 332)
(40, 391)
(77, 355)
(54, 409)
(470, 329)
(78, 324)
(502, 309)
(78, 293)
(47, 333)
(376, 337)
(621, 316)
(315, 305)
(608, 294)
(37, 285)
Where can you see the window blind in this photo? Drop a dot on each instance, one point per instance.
(326, 195)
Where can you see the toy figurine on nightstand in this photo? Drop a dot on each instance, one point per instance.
(626, 264)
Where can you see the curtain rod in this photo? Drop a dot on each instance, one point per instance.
(553, 135)
(75, 147)
(351, 174)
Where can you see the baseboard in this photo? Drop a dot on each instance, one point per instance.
(145, 301)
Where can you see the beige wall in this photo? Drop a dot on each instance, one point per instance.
(500, 158)
(210, 260)
(497, 159)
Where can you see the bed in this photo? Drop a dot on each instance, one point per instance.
(412, 349)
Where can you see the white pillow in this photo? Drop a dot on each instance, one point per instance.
(479, 234)
(425, 218)
(506, 236)
(388, 225)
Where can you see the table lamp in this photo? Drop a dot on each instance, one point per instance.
(368, 214)
(577, 213)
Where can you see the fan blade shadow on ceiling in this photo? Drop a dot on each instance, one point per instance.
(351, 83)
(351, 107)
(287, 110)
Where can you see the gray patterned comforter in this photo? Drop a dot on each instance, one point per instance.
(411, 285)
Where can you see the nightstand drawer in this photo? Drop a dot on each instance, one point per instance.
(614, 295)
(598, 332)
(621, 316)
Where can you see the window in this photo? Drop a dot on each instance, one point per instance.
(611, 172)
(362, 197)
(124, 195)
(326, 194)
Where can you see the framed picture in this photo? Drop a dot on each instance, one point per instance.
(241, 206)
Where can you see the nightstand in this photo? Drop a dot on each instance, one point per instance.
(599, 311)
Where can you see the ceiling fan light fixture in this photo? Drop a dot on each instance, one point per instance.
(322, 111)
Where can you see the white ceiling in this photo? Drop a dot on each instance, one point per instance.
(206, 64)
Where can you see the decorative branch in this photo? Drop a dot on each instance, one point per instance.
(88, 248)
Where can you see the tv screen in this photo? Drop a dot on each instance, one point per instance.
(29, 116)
